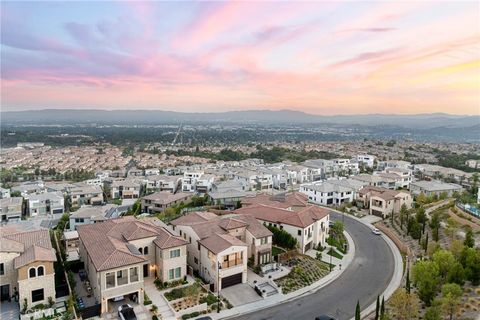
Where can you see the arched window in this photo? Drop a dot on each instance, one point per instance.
(145, 250)
(40, 271)
(32, 273)
(141, 250)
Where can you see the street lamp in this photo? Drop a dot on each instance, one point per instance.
(218, 286)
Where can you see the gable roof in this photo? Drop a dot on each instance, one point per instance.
(301, 218)
(107, 242)
(219, 242)
(287, 200)
(31, 245)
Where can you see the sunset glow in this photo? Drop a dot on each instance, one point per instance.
(317, 57)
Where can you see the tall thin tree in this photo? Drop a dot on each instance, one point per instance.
(377, 308)
(357, 311)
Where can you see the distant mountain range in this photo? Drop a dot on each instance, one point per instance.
(76, 116)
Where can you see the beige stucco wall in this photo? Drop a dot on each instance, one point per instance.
(25, 288)
(10, 276)
(165, 263)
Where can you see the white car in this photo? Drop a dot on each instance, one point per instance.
(376, 231)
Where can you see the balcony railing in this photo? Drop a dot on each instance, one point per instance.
(232, 263)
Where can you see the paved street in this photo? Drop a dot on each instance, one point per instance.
(367, 276)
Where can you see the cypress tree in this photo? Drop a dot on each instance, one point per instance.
(407, 283)
(377, 308)
(382, 308)
(357, 311)
(426, 243)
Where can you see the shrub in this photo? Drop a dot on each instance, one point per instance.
(282, 238)
(190, 315)
(209, 299)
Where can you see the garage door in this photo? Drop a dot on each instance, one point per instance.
(231, 280)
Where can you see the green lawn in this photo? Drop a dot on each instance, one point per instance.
(276, 251)
(334, 253)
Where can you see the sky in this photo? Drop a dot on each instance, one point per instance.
(318, 57)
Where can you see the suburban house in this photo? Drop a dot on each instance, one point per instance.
(4, 193)
(30, 187)
(228, 193)
(254, 180)
(11, 208)
(119, 253)
(162, 183)
(332, 192)
(219, 247)
(320, 169)
(87, 215)
(366, 159)
(159, 201)
(297, 173)
(126, 189)
(45, 203)
(383, 165)
(152, 172)
(308, 224)
(189, 180)
(204, 183)
(346, 166)
(86, 195)
(434, 188)
(438, 172)
(26, 266)
(383, 202)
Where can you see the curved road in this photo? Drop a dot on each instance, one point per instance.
(367, 276)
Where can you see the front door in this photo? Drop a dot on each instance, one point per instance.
(5, 292)
(145, 270)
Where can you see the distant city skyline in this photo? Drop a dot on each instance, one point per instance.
(324, 58)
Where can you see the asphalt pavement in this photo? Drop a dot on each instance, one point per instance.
(367, 276)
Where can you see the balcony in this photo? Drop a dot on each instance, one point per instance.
(232, 263)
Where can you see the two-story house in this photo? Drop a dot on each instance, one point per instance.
(162, 183)
(308, 224)
(126, 189)
(159, 201)
(219, 247)
(119, 253)
(45, 203)
(86, 195)
(11, 208)
(384, 202)
(26, 266)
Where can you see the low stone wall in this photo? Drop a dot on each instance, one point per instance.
(475, 227)
(393, 236)
(38, 314)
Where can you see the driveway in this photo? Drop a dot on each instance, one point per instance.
(9, 310)
(240, 294)
(367, 276)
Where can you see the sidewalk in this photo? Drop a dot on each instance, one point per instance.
(280, 298)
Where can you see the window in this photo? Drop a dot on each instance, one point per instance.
(264, 240)
(110, 280)
(175, 253)
(195, 260)
(32, 273)
(37, 295)
(145, 250)
(190, 239)
(171, 274)
(299, 232)
(79, 220)
(198, 246)
(2, 269)
(133, 274)
(122, 277)
(141, 250)
(178, 272)
(40, 271)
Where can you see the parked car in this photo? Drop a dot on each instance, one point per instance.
(376, 231)
(204, 318)
(325, 317)
(125, 312)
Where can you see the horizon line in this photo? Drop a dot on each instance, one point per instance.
(241, 110)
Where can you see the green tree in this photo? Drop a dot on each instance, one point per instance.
(469, 239)
(445, 262)
(407, 281)
(382, 308)
(452, 227)
(435, 222)
(426, 277)
(357, 311)
(451, 294)
(377, 308)
(470, 260)
(404, 305)
(434, 312)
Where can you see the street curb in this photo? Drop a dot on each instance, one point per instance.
(307, 291)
